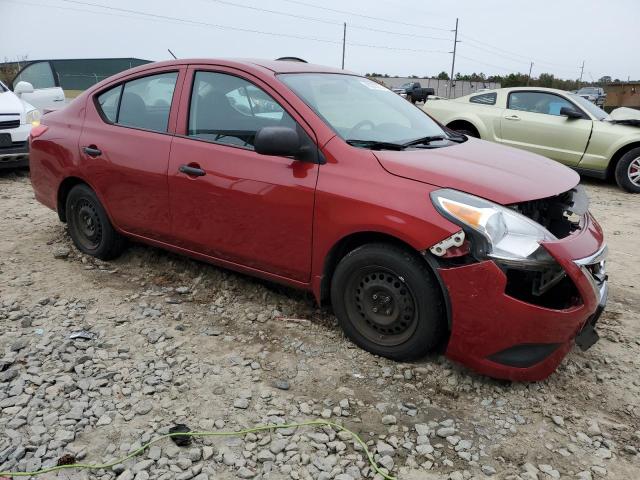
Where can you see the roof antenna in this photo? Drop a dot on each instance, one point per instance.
(174, 57)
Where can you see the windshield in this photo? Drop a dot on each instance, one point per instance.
(588, 90)
(359, 109)
(585, 104)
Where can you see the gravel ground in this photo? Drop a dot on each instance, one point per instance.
(162, 339)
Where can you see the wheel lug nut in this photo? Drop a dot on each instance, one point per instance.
(375, 296)
(375, 309)
(388, 312)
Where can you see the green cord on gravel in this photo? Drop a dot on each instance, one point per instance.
(135, 453)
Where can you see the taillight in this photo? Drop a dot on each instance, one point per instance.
(37, 131)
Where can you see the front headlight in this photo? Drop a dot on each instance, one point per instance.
(33, 118)
(500, 233)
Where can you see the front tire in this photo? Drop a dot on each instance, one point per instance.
(89, 225)
(628, 171)
(388, 302)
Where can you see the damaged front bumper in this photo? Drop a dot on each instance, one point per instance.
(498, 333)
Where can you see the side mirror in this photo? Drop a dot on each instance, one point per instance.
(280, 141)
(570, 112)
(23, 87)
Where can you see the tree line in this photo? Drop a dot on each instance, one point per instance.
(513, 80)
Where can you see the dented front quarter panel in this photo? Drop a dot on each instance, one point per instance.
(485, 320)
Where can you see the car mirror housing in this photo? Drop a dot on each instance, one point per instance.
(23, 87)
(280, 141)
(570, 112)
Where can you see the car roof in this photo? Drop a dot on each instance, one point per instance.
(537, 89)
(276, 66)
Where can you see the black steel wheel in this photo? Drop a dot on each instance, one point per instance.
(86, 224)
(383, 306)
(388, 302)
(89, 225)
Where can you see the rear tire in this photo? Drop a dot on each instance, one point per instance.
(388, 302)
(627, 171)
(89, 225)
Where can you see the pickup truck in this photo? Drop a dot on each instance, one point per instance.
(414, 92)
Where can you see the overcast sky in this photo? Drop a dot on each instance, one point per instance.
(498, 36)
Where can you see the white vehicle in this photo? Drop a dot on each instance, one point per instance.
(36, 84)
(17, 117)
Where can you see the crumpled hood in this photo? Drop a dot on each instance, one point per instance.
(10, 103)
(501, 174)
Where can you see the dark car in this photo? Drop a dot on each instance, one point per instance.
(593, 94)
(420, 238)
(414, 92)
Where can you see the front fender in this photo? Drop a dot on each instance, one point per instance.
(608, 139)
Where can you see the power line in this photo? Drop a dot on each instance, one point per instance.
(328, 22)
(485, 63)
(196, 22)
(225, 27)
(466, 37)
(370, 17)
(528, 58)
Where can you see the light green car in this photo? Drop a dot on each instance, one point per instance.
(554, 123)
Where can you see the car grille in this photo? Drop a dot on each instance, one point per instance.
(7, 124)
(14, 145)
(560, 214)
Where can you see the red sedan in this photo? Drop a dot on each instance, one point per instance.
(421, 238)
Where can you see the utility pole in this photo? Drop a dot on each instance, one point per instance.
(344, 42)
(581, 72)
(453, 62)
(529, 77)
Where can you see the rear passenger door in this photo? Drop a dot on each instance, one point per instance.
(532, 121)
(124, 149)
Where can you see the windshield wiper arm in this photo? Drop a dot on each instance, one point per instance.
(375, 145)
(435, 138)
(424, 140)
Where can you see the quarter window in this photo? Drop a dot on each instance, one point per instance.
(538, 102)
(484, 98)
(145, 102)
(227, 109)
(109, 101)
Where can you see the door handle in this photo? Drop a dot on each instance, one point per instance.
(192, 170)
(512, 117)
(92, 151)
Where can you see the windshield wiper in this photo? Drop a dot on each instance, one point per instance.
(424, 140)
(375, 145)
(378, 145)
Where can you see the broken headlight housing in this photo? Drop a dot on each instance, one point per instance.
(498, 232)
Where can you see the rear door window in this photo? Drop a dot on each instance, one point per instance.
(141, 103)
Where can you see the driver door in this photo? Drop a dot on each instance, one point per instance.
(227, 201)
(532, 121)
(46, 95)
